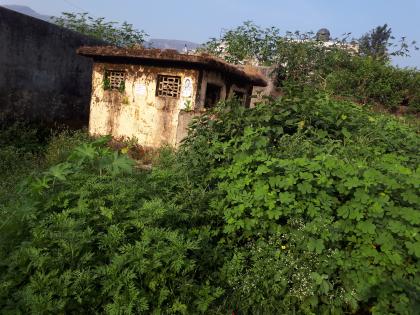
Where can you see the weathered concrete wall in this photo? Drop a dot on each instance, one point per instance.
(41, 76)
(184, 120)
(258, 93)
(137, 112)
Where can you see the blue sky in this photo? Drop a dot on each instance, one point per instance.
(198, 20)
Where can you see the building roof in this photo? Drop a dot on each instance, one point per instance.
(172, 58)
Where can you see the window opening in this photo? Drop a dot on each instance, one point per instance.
(169, 86)
(114, 80)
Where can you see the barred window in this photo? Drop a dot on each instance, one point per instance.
(168, 86)
(114, 80)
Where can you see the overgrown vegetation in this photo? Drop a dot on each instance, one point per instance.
(307, 204)
(27, 149)
(335, 70)
(302, 205)
(359, 69)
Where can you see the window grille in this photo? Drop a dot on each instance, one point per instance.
(169, 86)
(114, 79)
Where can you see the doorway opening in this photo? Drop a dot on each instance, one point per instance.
(212, 95)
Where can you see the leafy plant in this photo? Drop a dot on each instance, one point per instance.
(187, 106)
(356, 69)
(375, 43)
(91, 236)
(124, 34)
(106, 83)
(245, 43)
(302, 205)
(319, 203)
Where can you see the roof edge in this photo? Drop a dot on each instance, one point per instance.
(203, 60)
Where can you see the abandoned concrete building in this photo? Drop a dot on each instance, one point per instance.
(152, 95)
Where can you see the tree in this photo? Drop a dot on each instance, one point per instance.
(379, 42)
(246, 43)
(376, 42)
(124, 35)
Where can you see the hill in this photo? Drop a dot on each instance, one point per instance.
(28, 11)
(171, 44)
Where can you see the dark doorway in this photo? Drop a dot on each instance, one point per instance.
(240, 96)
(212, 95)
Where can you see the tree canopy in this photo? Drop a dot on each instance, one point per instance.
(376, 42)
(246, 43)
(119, 34)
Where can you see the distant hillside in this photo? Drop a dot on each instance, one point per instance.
(171, 44)
(27, 11)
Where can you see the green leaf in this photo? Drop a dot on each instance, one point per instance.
(316, 245)
(60, 171)
(305, 187)
(366, 227)
(120, 164)
(286, 197)
(413, 248)
(262, 169)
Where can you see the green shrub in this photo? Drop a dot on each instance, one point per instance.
(320, 201)
(62, 143)
(90, 236)
(360, 70)
(303, 205)
(20, 150)
(344, 73)
(28, 149)
(371, 81)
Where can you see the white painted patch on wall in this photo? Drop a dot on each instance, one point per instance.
(140, 89)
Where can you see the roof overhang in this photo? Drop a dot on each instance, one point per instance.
(171, 58)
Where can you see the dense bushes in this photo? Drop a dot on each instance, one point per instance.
(28, 149)
(342, 72)
(321, 207)
(360, 70)
(89, 237)
(302, 205)
(370, 81)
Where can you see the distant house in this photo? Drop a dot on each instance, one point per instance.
(324, 36)
(152, 94)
